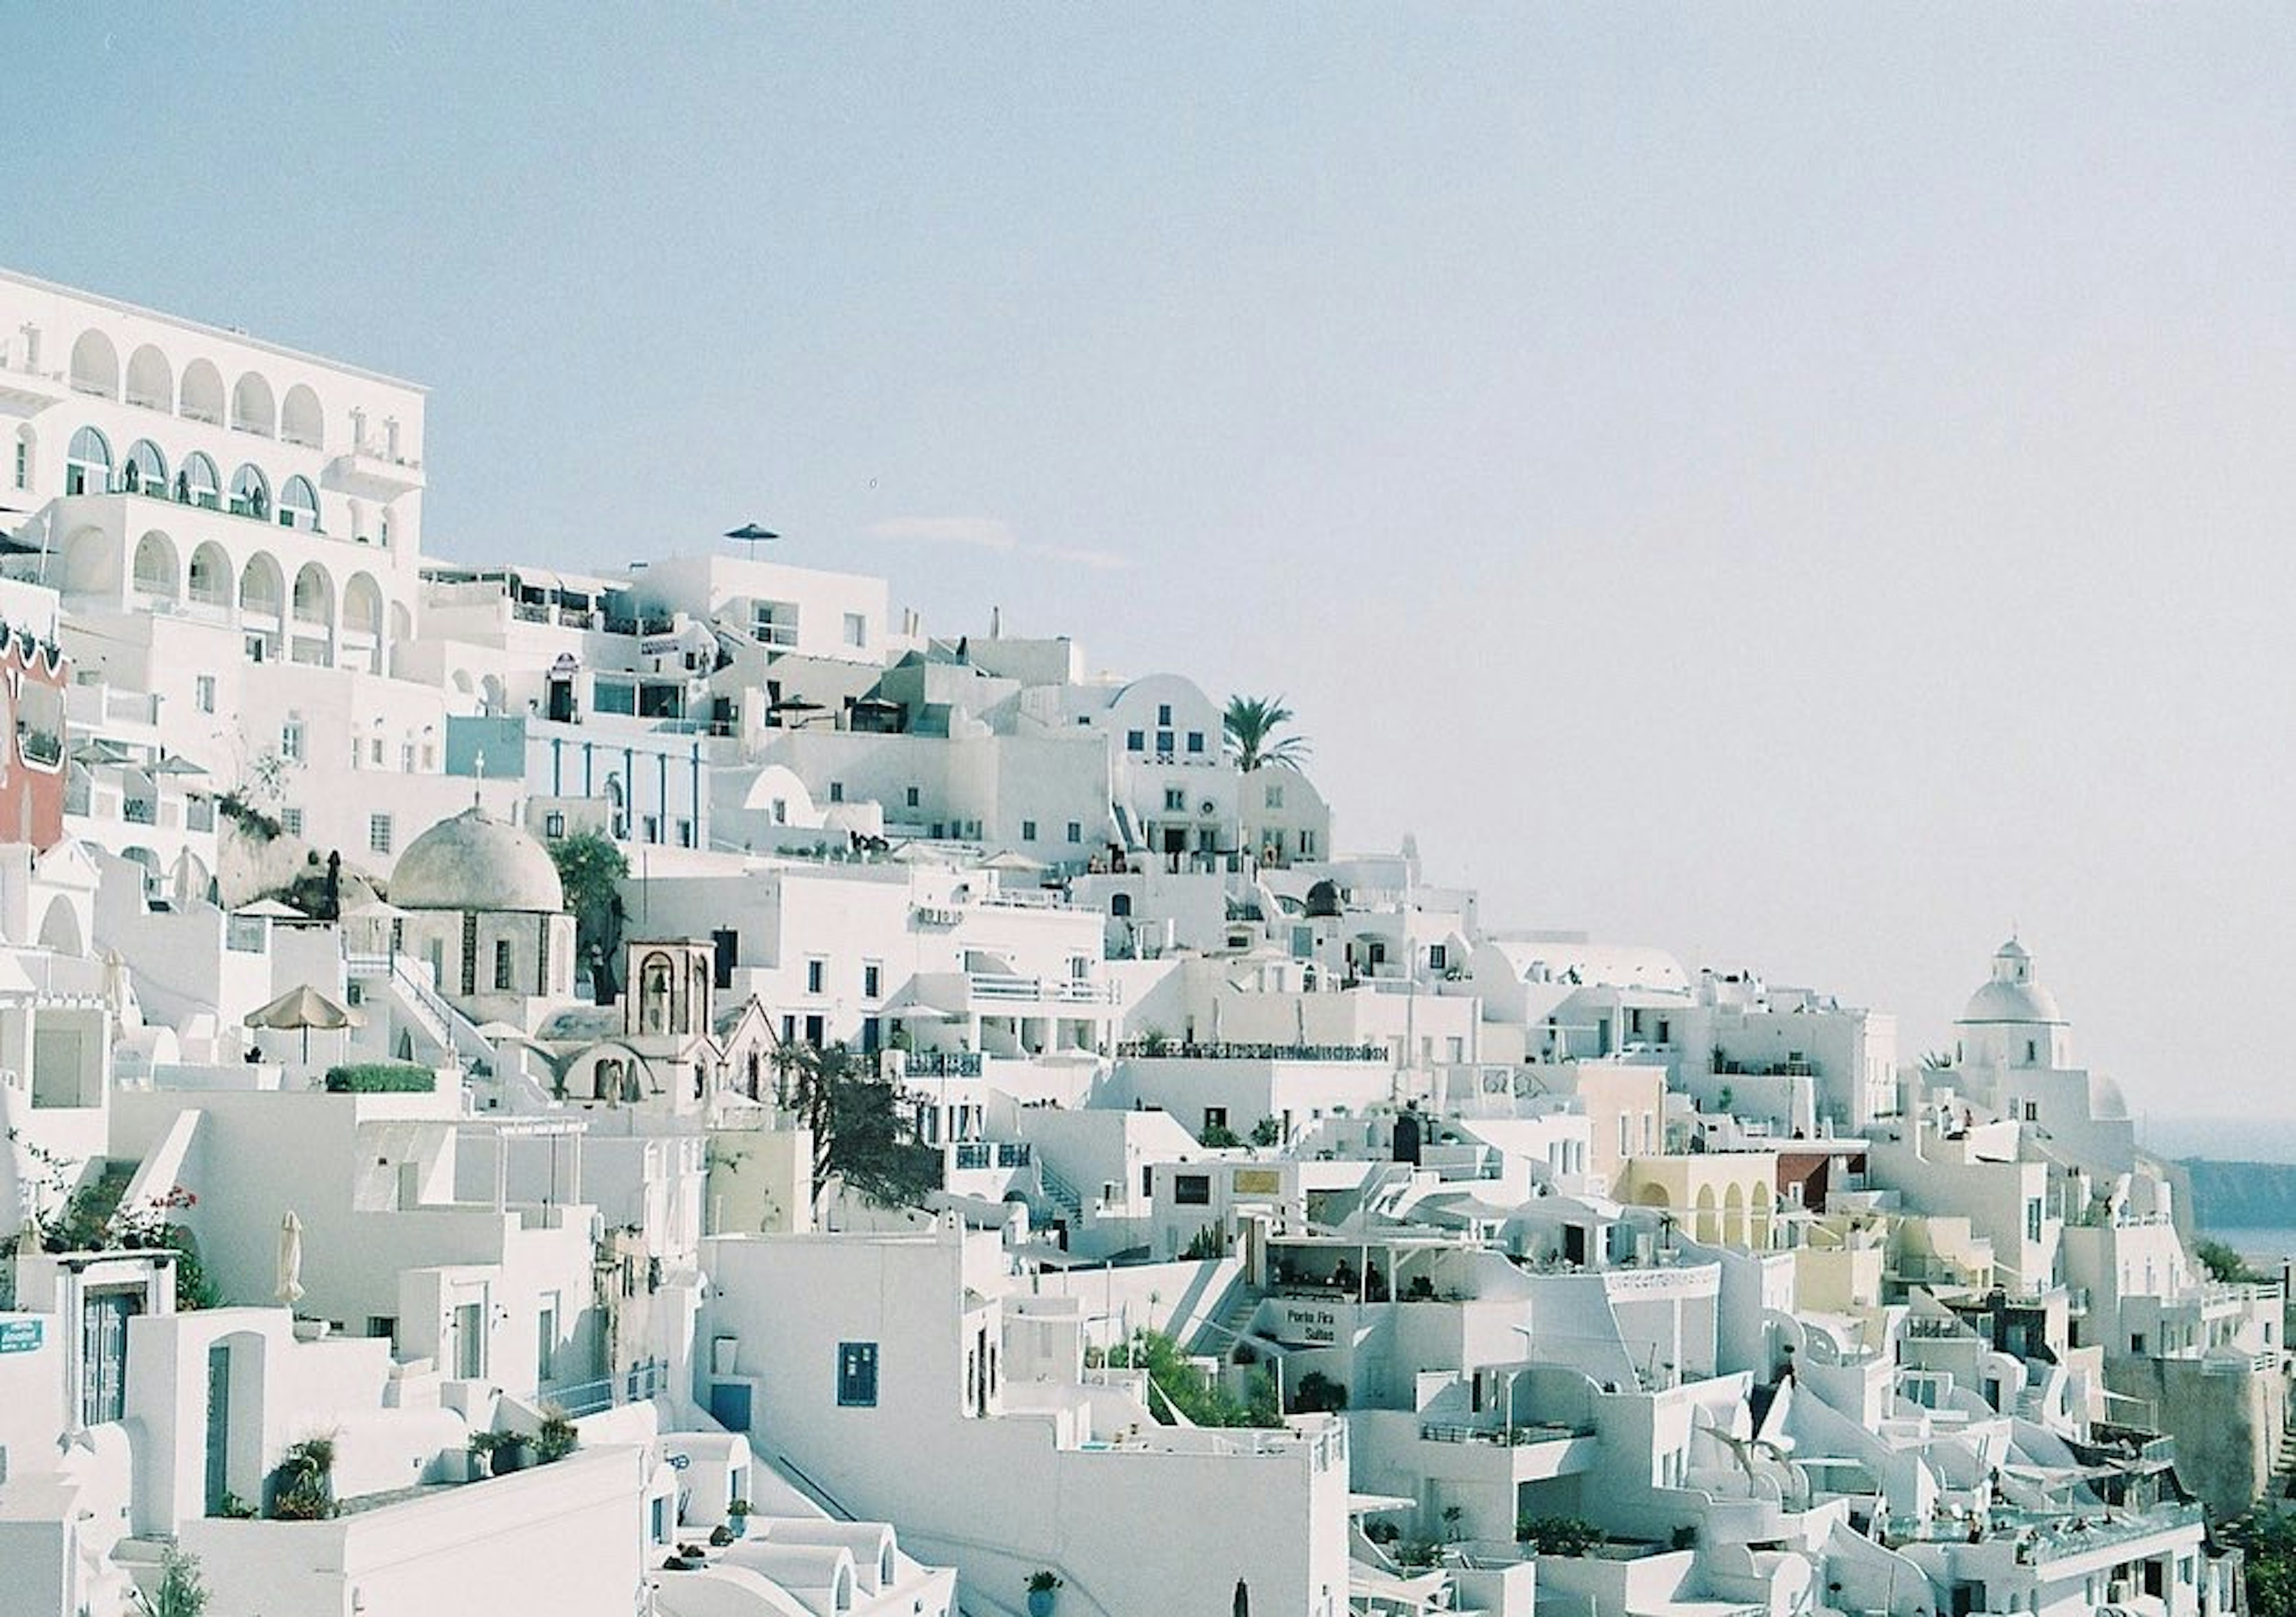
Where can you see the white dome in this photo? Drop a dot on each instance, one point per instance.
(475, 862)
(2014, 995)
(1999, 1002)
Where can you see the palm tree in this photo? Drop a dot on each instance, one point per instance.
(1251, 723)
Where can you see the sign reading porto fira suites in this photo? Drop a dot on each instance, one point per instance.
(1306, 1322)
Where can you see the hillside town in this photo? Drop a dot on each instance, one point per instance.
(689, 1090)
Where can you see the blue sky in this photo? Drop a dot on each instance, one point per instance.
(1807, 485)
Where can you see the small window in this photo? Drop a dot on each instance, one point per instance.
(653, 828)
(857, 1374)
(1119, 905)
(1195, 742)
(1135, 740)
(1439, 957)
(23, 463)
(1027, 831)
(1176, 800)
(1192, 1189)
(503, 965)
(1076, 831)
(816, 972)
(203, 693)
(684, 833)
(378, 833)
(856, 629)
(837, 791)
(1215, 1117)
(873, 979)
(553, 824)
(290, 820)
(1163, 743)
(1163, 712)
(913, 796)
(1276, 796)
(290, 740)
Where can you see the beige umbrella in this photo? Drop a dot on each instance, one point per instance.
(291, 1260)
(305, 1007)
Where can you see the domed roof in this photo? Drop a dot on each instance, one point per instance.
(474, 861)
(2002, 1001)
(2012, 995)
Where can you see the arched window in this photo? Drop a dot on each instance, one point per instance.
(251, 494)
(202, 393)
(198, 483)
(653, 995)
(87, 468)
(251, 407)
(211, 576)
(315, 595)
(300, 421)
(151, 383)
(155, 566)
(298, 504)
(95, 365)
(145, 470)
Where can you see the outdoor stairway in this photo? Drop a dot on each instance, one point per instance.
(1067, 1205)
(1217, 1336)
(107, 1185)
(2282, 1485)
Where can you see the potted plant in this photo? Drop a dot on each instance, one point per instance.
(1042, 1588)
(303, 1486)
(555, 1438)
(513, 1451)
(482, 1453)
(737, 1517)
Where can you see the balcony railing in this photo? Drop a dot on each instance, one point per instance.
(636, 1385)
(1230, 1050)
(998, 985)
(1512, 1437)
(942, 1063)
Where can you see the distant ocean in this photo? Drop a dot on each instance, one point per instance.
(2237, 1139)
(2265, 1249)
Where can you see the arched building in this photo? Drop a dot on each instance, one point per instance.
(486, 911)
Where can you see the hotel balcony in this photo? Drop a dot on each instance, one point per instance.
(371, 469)
(24, 391)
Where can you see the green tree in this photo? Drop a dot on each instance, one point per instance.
(2222, 1262)
(2267, 1540)
(861, 1135)
(591, 870)
(1252, 723)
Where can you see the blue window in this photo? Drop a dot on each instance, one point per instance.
(857, 1374)
(1164, 743)
(1135, 740)
(1195, 740)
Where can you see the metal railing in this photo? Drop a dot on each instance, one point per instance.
(942, 1063)
(1517, 1436)
(1231, 1050)
(636, 1385)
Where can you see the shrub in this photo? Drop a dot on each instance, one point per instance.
(380, 1078)
(1317, 1393)
(181, 1593)
(304, 1485)
(1558, 1535)
(1042, 1583)
(1206, 1243)
(556, 1438)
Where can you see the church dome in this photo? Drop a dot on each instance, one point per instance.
(2012, 995)
(475, 862)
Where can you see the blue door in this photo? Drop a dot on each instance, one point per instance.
(729, 1402)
